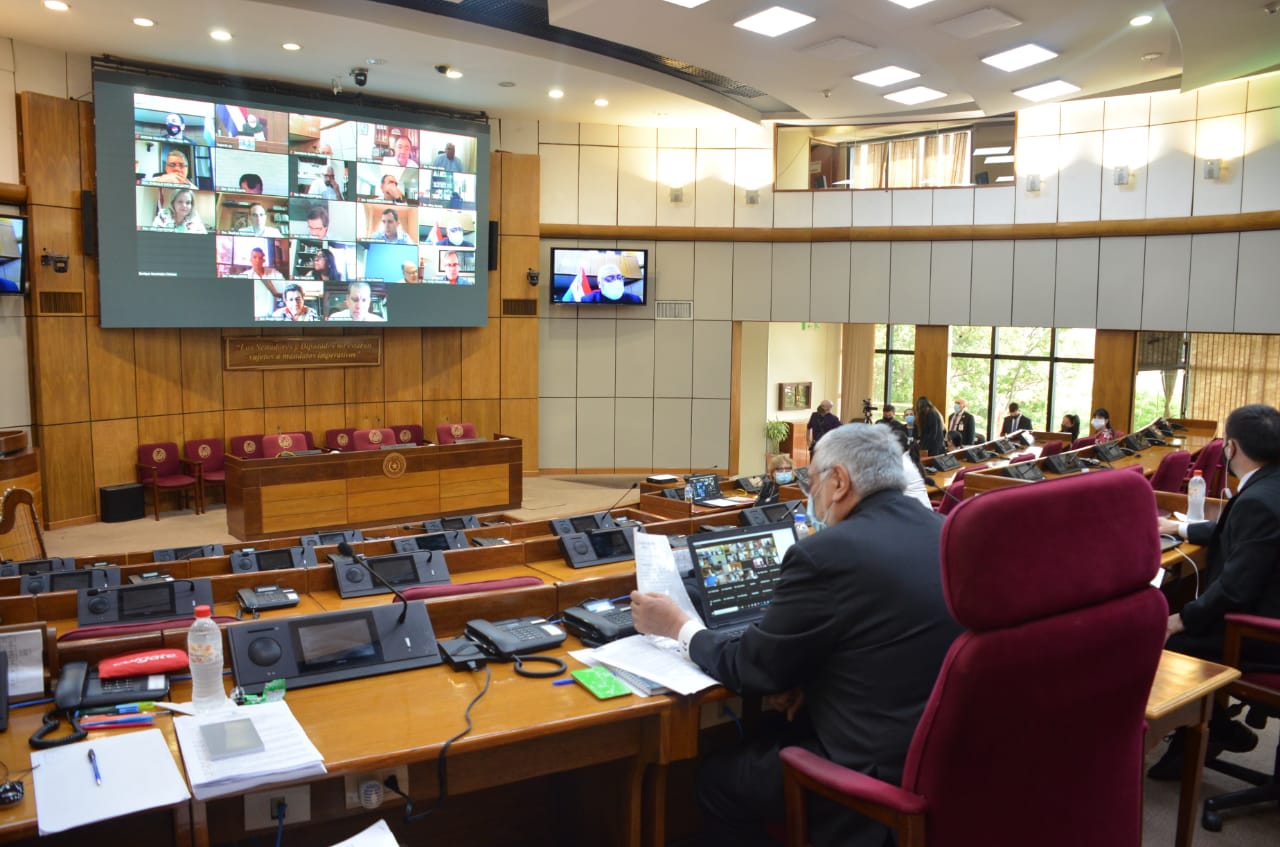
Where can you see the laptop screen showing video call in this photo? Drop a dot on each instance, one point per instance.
(704, 486)
(740, 569)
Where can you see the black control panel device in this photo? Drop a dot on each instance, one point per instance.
(451, 539)
(41, 583)
(945, 462)
(1063, 463)
(584, 523)
(1108, 451)
(1004, 446)
(1023, 470)
(588, 549)
(332, 646)
(252, 561)
(972, 454)
(597, 622)
(150, 601)
(177, 554)
(773, 513)
(150, 576)
(328, 539)
(400, 569)
(458, 522)
(29, 566)
(265, 597)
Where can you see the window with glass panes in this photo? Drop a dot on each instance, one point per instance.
(1160, 387)
(895, 366)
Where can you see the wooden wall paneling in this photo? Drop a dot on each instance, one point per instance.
(203, 425)
(49, 149)
(520, 194)
(284, 387)
(92, 298)
(495, 184)
(485, 414)
(436, 412)
(162, 428)
(201, 370)
(364, 384)
(401, 412)
(242, 422)
(288, 419)
(441, 363)
(402, 364)
(88, 151)
(326, 417)
(67, 457)
(482, 360)
(112, 385)
(55, 230)
(365, 415)
(242, 389)
(517, 256)
(519, 369)
(325, 386)
(61, 366)
(1115, 360)
(933, 351)
(158, 355)
(493, 306)
(115, 451)
(519, 418)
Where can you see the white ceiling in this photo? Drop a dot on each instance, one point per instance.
(1097, 48)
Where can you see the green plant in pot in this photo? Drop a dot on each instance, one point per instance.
(774, 432)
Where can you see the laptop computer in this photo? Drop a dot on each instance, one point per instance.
(706, 490)
(735, 573)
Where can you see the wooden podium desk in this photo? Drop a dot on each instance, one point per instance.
(295, 494)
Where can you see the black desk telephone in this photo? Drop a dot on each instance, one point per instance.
(80, 687)
(597, 622)
(515, 639)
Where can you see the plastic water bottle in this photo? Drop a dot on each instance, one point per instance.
(688, 493)
(802, 522)
(204, 654)
(1195, 497)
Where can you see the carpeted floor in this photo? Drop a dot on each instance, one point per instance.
(550, 496)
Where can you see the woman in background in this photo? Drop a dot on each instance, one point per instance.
(929, 426)
(1101, 423)
(180, 214)
(1071, 426)
(782, 469)
(325, 267)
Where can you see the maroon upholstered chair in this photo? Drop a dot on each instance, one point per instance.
(1257, 685)
(1209, 462)
(450, 433)
(282, 442)
(1039, 707)
(409, 434)
(1172, 472)
(1052, 448)
(246, 446)
(161, 468)
(955, 491)
(1086, 441)
(372, 439)
(1022, 457)
(342, 440)
(206, 454)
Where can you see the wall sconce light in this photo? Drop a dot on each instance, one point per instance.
(1033, 183)
(676, 194)
(1212, 169)
(753, 197)
(1123, 175)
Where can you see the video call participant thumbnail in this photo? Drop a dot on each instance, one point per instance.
(451, 267)
(177, 209)
(402, 150)
(384, 262)
(390, 225)
(360, 303)
(322, 220)
(295, 307)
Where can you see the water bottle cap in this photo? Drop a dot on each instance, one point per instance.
(1197, 473)
(203, 611)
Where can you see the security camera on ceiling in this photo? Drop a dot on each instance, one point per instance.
(360, 75)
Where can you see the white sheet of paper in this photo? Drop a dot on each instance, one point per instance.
(288, 753)
(26, 661)
(377, 834)
(657, 659)
(138, 772)
(656, 573)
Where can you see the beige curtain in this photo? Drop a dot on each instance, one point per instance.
(868, 165)
(1229, 370)
(946, 159)
(903, 163)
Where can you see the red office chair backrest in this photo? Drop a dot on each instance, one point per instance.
(967, 470)
(1086, 441)
(163, 456)
(1209, 462)
(954, 494)
(1022, 457)
(1052, 448)
(342, 440)
(1171, 472)
(373, 439)
(247, 446)
(449, 433)
(408, 434)
(1064, 631)
(206, 451)
(284, 442)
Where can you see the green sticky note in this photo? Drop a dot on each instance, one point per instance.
(601, 682)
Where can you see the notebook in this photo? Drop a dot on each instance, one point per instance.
(737, 571)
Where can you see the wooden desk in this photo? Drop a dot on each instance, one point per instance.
(296, 494)
(1182, 696)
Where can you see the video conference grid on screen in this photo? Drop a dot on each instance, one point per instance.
(740, 574)
(280, 197)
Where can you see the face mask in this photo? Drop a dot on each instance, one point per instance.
(955, 406)
(1098, 423)
(816, 524)
(784, 477)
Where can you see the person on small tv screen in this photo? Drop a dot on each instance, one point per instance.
(176, 167)
(257, 224)
(403, 155)
(359, 300)
(410, 272)
(318, 222)
(448, 160)
(452, 264)
(294, 308)
(325, 267)
(251, 184)
(611, 288)
(180, 214)
(455, 236)
(390, 189)
(390, 231)
(258, 266)
(326, 186)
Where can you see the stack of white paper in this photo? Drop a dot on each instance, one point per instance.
(654, 659)
(287, 753)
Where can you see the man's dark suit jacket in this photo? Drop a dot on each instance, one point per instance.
(859, 623)
(1013, 423)
(965, 427)
(1244, 557)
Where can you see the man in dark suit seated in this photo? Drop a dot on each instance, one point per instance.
(1015, 420)
(848, 650)
(1243, 574)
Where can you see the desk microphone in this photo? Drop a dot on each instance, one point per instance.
(94, 592)
(633, 487)
(347, 550)
(946, 492)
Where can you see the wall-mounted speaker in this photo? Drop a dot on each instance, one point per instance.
(89, 223)
(493, 245)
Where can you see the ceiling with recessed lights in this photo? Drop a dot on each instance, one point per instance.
(684, 62)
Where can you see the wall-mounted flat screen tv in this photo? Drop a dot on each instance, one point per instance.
(240, 206)
(13, 254)
(607, 277)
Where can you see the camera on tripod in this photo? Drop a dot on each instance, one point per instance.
(867, 409)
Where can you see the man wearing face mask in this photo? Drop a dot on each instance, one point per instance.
(961, 421)
(848, 649)
(1243, 574)
(611, 287)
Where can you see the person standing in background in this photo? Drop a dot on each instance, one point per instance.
(820, 423)
(962, 422)
(929, 426)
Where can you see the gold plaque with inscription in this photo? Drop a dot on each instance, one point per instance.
(268, 353)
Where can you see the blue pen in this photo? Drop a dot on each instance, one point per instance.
(568, 681)
(93, 763)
